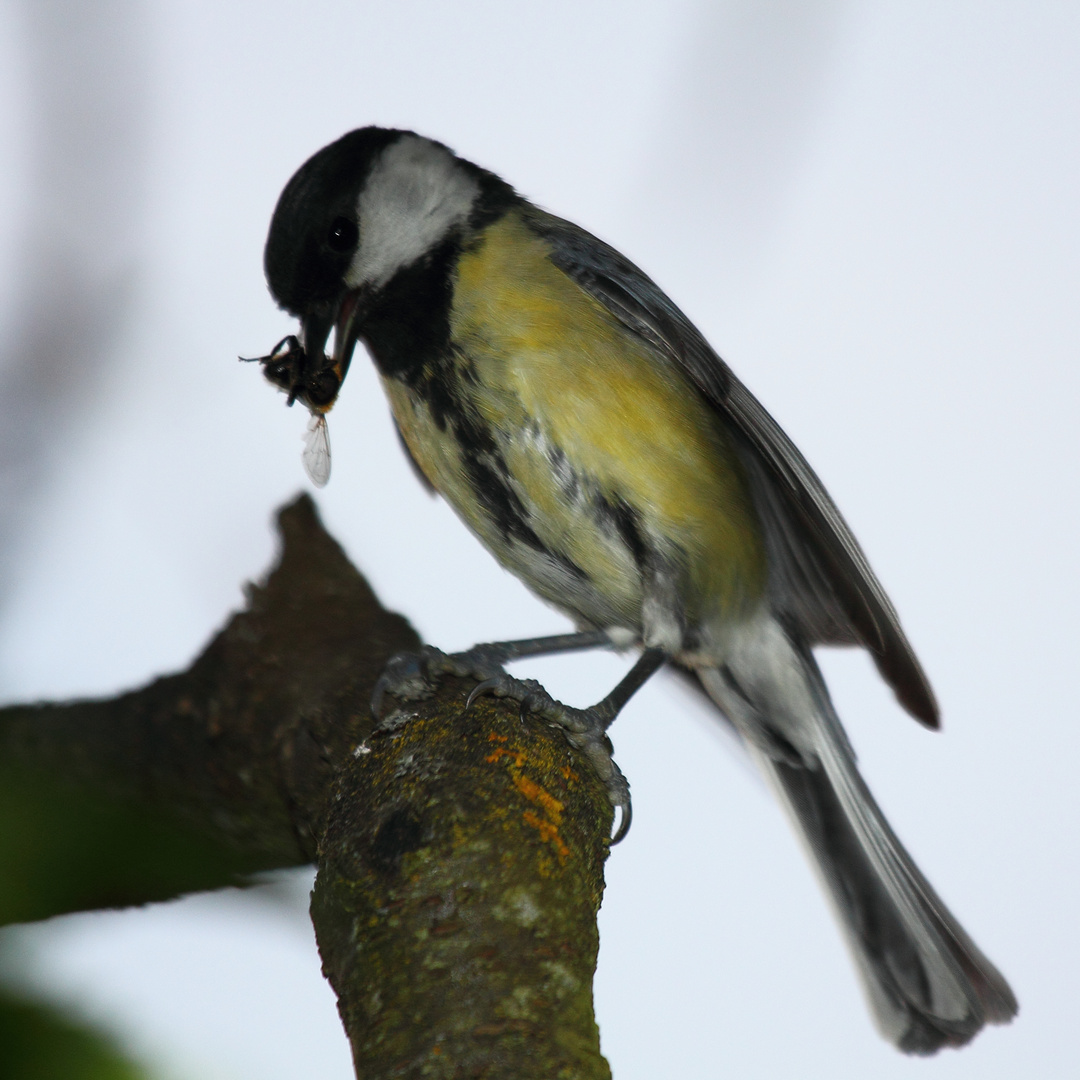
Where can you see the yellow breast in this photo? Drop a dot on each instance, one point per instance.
(554, 370)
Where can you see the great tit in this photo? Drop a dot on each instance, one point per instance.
(588, 435)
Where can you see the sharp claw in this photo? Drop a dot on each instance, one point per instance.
(481, 688)
(624, 821)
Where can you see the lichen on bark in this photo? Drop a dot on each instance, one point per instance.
(465, 861)
(460, 853)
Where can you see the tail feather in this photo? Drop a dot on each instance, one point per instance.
(928, 984)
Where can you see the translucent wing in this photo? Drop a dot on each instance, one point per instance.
(316, 456)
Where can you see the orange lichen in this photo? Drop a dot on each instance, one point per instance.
(536, 794)
(549, 828)
(549, 833)
(499, 753)
(548, 824)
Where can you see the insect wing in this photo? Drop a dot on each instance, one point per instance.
(316, 456)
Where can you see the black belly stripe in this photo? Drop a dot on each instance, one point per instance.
(619, 516)
(492, 489)
(490, 480)
(407, 333)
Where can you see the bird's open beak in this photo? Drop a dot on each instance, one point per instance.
(315, 329)
(345, 330)
(323, 374)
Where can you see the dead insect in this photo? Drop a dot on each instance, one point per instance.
(291, 370)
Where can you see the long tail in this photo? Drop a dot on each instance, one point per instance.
(928, 984)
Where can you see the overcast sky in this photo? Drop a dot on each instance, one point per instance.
(871, 211)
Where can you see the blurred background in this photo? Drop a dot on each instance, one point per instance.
(870, 209)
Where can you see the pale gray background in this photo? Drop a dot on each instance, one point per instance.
(870, 208)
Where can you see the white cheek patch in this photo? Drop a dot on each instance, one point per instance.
(415, 194)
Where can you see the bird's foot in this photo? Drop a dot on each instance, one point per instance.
(412, 676)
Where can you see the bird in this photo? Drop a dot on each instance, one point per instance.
(589, 436)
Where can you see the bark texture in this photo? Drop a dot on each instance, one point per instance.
(460, 855)
(465, 860)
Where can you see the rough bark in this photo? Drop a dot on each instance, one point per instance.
(460, 855)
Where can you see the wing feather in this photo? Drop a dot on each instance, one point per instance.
(820, 579)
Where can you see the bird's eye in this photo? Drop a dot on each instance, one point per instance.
(343, 235)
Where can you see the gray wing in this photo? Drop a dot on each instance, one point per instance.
(820, 579)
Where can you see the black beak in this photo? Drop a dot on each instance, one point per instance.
(315, 329)
(322, 375)
(350, 314)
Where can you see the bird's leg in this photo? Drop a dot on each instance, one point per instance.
(410, 675)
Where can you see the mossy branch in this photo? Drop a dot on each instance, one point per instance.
(460, 855)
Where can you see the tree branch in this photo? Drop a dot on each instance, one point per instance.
(460, 856)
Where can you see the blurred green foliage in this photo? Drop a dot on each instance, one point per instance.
(37, 1043)
(64, 848)
(67, 848)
